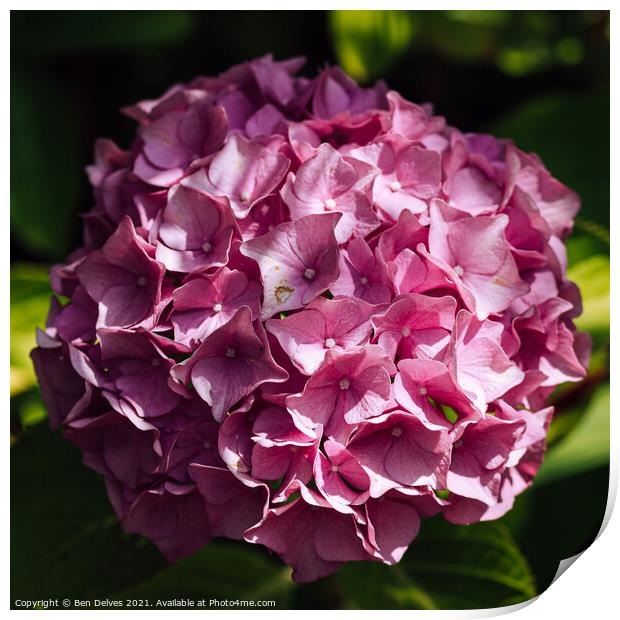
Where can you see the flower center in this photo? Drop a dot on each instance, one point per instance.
(230, 352)
(309, 274)
(364, 280)
(406, 332)
(330, 343)
(397, 431)
(423, 391)
(330, 203)
(335, 468)
(217, 308)
(206, 247)
(459, 271)
(344, 384)
(141, 281)
(395, 186)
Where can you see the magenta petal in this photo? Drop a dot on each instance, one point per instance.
(325, 325)
(207, 302)
(61, 386)
(233, 504)
(173, 517)
(395, 524)
(297, 260)
(244, 171)
(362, 274)
(310, 537)
(415, 326)
(478, 362)
(140, 371)
(196, 231)
(399, 449)
(122, 279)
(113, 446)
(230, 363)
(327, 182)
(348, 388)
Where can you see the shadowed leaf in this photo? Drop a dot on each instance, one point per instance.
(446, 567)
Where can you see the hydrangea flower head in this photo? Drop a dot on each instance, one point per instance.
(308, 315)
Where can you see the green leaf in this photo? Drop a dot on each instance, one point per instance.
(66, 541)
(447, 567)
(222, 570)
(30, 298)
(592, 277)
(588, 239)
(370, 585)
(369, 43)
(29, 408)
(65, 538)
(585, 447)
(462, 36)
(45, 165)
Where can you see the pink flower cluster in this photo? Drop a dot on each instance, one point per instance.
(308, 314)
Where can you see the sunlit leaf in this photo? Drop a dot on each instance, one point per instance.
(585, 447)
(31, 410)
(492, 19)
(581, 245)
(30, 297)
(519, 61)
(592, 276)
(369, 43)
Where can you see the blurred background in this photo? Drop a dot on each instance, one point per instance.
(538, 77)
